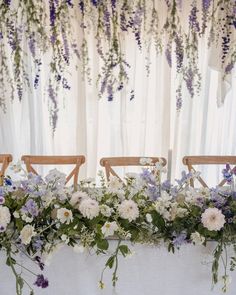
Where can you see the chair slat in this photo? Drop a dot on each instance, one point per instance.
(108, 163)
(55, 160)
(189, 161)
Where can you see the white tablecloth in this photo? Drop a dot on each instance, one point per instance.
(150, 271)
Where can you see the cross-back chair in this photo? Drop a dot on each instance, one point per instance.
(108, 163)
(190, 161)
(55, 160)
(5, 160)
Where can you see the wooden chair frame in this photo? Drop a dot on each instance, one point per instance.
(189, 161)
(55, 160)
(125, 161)
(5, 160)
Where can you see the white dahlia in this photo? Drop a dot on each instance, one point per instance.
(26, 234)
(213, 219)
(77, 197)
(89, 208)
(5, 216)
(128, 209)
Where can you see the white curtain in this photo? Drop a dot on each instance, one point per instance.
(148, 125)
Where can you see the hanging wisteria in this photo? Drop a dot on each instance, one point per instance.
(32, 29)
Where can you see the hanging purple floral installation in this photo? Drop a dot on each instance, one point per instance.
(31, 29)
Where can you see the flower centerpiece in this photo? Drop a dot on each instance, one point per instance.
(39, 215)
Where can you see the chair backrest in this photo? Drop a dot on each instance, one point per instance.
(190, 161)
(5, 159)
(55, 160)
(108, 163)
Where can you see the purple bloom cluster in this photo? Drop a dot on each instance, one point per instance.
(41, 282)
(179, 52)
(39, 261)
(54, 109)
(189, 80)
(193, 21)
(106, 17)
(31, 208)
(69, 2)
(81, 6)
(228, 173)
(52, 9)
(179, 99)
(168, 55)
(7, 2)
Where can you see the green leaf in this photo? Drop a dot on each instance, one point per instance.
(124, 250)
(158, 220)
(110, 262)
(102, 244)
(10, 261)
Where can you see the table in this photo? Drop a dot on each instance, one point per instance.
(150, 271)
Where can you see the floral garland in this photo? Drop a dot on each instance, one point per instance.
(34, 28)
(38, 215)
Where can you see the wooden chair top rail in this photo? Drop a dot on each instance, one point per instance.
(208, 160)
(5, 157)
(50, 160)
(129, 161)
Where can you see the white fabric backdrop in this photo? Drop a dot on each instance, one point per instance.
(145, 126)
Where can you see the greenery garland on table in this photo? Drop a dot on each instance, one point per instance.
(38, 215)
(35, 28)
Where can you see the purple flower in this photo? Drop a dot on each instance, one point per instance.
(41, 282)
(32, 45)
(153, 192)
(69, 2)
(81, 6)
(7, 2)
(31, 208)
(2, 200)
(206, 5)
(2, 228)
(193, 21)
(168, 56)
(52, 9)
(229, 68)
(166, 185)
(179, 239)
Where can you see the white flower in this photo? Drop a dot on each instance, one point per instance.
(197, 238)
(145, 161)
(114, 185)
(47, 199)
(26, 234)
(78, 249)
(128, 209)
(64, 215)
(106, 210)
(89, 208)
(149, 217)
(65, 238)
(55, 175)
(109, 228)
(5, 216)
(16, 214)
(177, 211)
(17, 167)
(77, 197)
(213, 219)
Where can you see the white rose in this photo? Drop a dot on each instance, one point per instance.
(109, 228)
(26, 234)
(77, 197)
(64, 215)
(213, 219)
(89, 208)
(5, 216)
(128, 209)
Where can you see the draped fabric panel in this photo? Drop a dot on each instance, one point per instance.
(147, 125)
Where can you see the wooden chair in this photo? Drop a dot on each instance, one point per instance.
(5, 160)
(189, 161)
(125, 161)
(55, 160)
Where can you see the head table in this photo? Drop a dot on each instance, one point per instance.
(150, 270)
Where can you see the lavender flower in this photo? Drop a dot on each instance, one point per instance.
(193, 21)
(52, 9)
(32, 45)
(2, 200)
(179, 239)
(7, 2)
(2, 228)
(41, 282)
(168, 55)
(31, 208)
(229, 68)
(38, 259)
